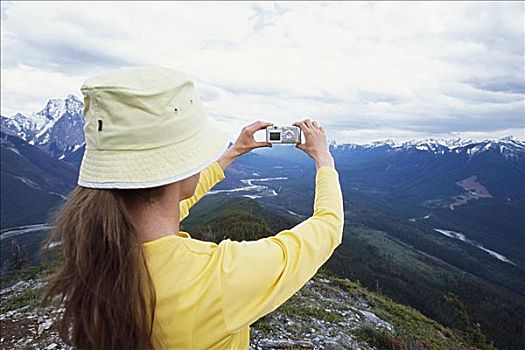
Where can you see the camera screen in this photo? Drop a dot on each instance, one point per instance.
(275, 136)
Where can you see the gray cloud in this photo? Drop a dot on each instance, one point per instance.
(375, 97)
(509, 84)
(79, 42)
(467, 122)
(56, 54)
(285, 95)
(250, 89)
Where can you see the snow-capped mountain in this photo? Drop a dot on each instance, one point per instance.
(509, 147)
(19, 125)
(57, 129)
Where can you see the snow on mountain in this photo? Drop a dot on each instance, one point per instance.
(56, 109)
(510, 147)
(19, 125)
(56, 129)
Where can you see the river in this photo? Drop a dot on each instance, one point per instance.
(461, 236)
(253, 190)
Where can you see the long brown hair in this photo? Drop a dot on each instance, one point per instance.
(104, 284)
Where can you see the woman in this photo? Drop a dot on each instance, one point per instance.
(130, 278)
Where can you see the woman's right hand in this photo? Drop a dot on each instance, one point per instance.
(315, 145)
(244, 143)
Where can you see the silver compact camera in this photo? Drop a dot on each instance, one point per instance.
(283, 134)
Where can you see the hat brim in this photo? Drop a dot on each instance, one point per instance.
(153, 167)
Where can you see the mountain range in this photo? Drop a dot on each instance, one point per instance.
(58, 130)
(509, 146)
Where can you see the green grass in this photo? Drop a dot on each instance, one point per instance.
(299, 306)
(380, 339)
(412, 327)
(28, 297)
(389, 267)
(264, 325)
(33, 272)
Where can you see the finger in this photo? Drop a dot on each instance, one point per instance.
(315, 124)
(323, 130)
(308, 123)
(300, 146)
(250, 126)
(301, 125)
(304, 122)
(262, 125)
(258, 125)
(262, 144)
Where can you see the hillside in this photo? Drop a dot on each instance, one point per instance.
(32, 182)
(383, 263)
(392, 237)
(329, 312)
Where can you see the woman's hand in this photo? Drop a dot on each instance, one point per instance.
(244, 143)
(316, 145)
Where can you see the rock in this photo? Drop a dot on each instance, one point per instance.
(373, 320)
(15, 287)
(285, 344)
(10, 313)
(48, 324)
(324, 317)
(331, 345)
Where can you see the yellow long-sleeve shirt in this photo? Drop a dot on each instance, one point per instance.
(209, 294)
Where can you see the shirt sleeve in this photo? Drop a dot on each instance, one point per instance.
(256, 277)
(209, 177)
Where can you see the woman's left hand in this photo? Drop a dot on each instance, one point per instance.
(244, 143)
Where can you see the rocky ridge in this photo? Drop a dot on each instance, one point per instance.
(327, 313)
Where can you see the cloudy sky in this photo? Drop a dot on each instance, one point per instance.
(367, 71)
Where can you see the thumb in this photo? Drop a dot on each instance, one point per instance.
(301, 146)
(262, 144)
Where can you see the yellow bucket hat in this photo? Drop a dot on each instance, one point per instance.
(145, 127)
